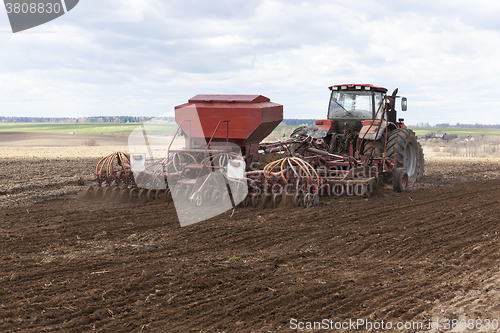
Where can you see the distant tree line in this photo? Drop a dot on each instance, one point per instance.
(142, 119)
(458, 125)
(120, 120)
(99, 119)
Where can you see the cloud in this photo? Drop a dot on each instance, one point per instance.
(144, 57)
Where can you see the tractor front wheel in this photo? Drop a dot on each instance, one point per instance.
(400, 180)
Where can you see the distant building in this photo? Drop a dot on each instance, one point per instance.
(448, 137)
(442, 136)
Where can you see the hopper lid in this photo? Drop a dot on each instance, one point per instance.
(229, 99)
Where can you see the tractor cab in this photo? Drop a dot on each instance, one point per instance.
(352, 104)
(356, 102)
(356, 112)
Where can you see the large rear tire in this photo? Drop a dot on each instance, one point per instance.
(377, 151)
(422, 163)
(403, 143)
(299, 132)
(268, 158)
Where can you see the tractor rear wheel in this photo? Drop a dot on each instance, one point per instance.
(299, 132)
(377, 151)
(422, 161)
(268, 158)
(403, 144)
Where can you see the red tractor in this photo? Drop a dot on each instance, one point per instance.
(363, 118)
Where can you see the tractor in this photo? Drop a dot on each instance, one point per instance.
(363, 117)
(225, 161)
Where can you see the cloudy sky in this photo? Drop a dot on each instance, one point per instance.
(143, 57)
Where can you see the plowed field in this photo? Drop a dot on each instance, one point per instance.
(69, 265)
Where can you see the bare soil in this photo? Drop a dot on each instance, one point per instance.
(70, 265)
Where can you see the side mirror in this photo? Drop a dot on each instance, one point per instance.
(404, 104)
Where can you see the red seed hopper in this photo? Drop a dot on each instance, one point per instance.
(244, 120)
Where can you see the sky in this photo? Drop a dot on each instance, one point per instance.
(142, 58)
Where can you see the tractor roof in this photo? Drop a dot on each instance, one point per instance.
(354, 86)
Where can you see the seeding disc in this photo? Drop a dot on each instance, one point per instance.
(247, 201)
(265, 199)
(160, 195)
(315, 201)
(88, 193)
(178, 193)
(207, 195)
(338, 189)
(183, 194)
(360, 190)
(198, 199)
(255, 200)
(308, 200)
(98, 192)
(133, 194)
(277, 198)
(124, 194)
(287, 199)
(225, 199)
(216, 197)
(115, 193)
(298, 199)
(106, 191)
(143, 194)
(239, 197)
(151, 195)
